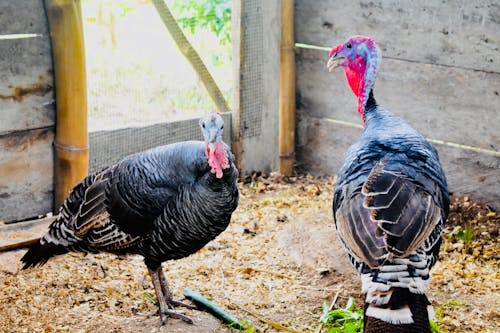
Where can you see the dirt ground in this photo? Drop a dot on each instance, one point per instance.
(279, 261)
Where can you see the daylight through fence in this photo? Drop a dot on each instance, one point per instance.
(143, 92)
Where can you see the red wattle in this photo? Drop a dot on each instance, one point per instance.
(355, 73)
(217, 159)
(355, 78)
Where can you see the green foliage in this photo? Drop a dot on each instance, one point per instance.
(350, 319)
(149, 297)
(347, 320)
(449, 304)
(434, 327)
(466, 234)
(212, 14)
(249, 327)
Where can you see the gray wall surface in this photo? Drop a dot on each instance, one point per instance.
(257, 62)
(27, 111)
(440, 72)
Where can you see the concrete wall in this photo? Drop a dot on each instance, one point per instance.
(27, 111)
(440, 71)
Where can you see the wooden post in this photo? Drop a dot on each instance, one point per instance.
(237, 37)
(71, 142)
(287, 91)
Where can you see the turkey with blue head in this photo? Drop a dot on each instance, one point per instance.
(165, 203)
(390, 202)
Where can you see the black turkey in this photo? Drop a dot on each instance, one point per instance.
(165, 203)
(390, 202)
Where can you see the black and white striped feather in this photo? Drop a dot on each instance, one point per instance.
(163, 204)
(390, 206)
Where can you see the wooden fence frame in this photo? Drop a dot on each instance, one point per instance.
(71, 140)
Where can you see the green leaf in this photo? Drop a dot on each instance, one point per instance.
(344, 320)
(212, 14)
(149, 297)
(350, 319)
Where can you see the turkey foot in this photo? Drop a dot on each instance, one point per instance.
(165, 301)
(174, 302)
(168, 294)
(173, 314)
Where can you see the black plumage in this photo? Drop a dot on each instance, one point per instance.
(165, 203)
(390, 203)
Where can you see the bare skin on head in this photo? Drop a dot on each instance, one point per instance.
(211, 127)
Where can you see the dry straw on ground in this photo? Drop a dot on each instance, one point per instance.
(279, 259)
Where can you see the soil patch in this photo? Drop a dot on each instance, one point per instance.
(280, 258)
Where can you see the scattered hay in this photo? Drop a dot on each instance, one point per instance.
(279, 259)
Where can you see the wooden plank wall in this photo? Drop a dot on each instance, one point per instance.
(440, 71)
(27, 111)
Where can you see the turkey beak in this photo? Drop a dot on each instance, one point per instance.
(212, 140)
(335, 61)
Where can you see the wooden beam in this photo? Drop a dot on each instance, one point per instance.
(23, 234)
(191, 55)
(287, 91)
(71, 142)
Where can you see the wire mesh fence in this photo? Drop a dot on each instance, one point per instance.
(108, 146)
(142, 92)
(252, 89)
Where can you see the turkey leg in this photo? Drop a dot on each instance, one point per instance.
(168, 294)
(164, 301)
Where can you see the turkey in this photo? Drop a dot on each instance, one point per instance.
(165, 203)
(390, 202)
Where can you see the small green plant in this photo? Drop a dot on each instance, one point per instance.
(149, 297)
(249, 327)
(350, 319)
(346, 320)
(439, 314)
(466, 234)
(447, 305)
(434, 327)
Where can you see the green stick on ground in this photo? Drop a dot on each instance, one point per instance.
(204, 303)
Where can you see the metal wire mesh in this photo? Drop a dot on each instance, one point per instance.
(252, 89)
(107, 147)
(142, 91)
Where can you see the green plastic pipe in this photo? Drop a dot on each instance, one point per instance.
(204, 303)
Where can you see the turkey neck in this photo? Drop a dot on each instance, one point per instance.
(376, 117)
(371, 105)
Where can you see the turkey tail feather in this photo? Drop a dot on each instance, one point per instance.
(417, 306)
(38, 254)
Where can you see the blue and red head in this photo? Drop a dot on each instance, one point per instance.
(360, 57)
(211, 127)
